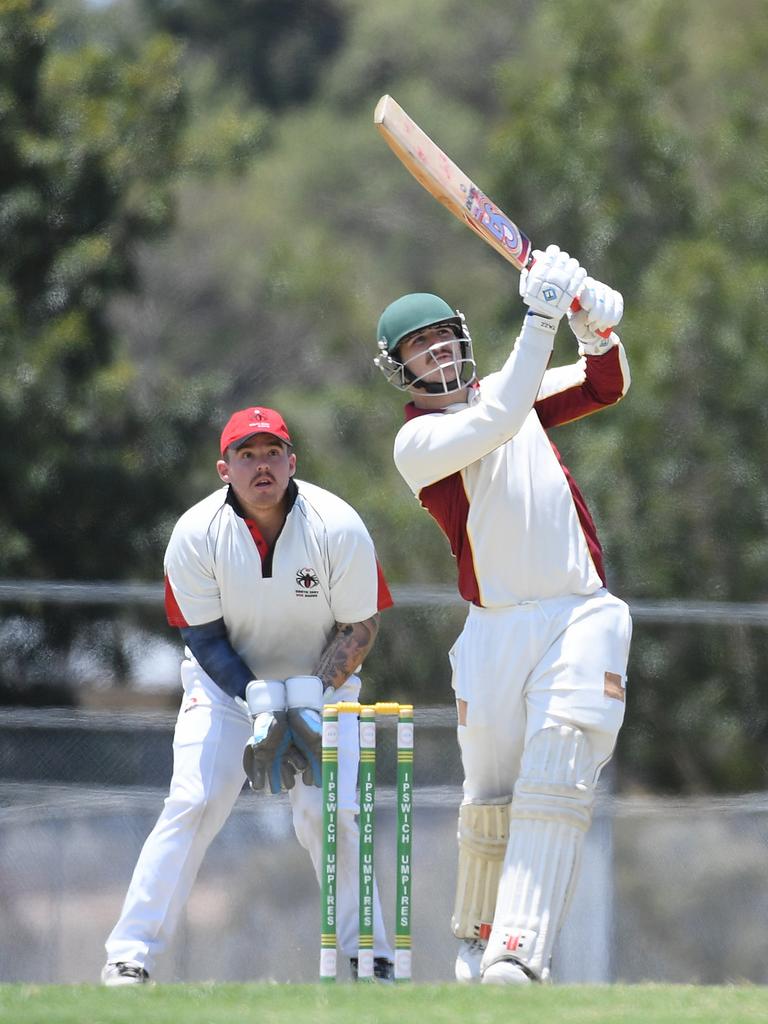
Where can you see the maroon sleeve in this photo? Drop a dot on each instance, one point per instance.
(603, 385)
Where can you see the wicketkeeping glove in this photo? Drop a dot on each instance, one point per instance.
(269, 754)
(551, 283)
(304, 699)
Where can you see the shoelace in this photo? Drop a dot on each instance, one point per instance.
(131, 970)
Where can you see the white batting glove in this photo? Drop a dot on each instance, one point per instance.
(551, 283)
(601, 308)
(590, 342)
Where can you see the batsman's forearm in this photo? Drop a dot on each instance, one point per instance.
(346, 650)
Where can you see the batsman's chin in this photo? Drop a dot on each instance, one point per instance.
(447, 378)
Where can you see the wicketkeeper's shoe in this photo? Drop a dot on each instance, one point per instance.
(125, 972)
(383, 969)
(507, 972)
(467, 966)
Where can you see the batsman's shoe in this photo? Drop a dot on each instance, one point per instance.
(467, 966)
(506, 972)
(125, 972)
(383, 969)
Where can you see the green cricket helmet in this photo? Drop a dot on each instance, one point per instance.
(408, 315)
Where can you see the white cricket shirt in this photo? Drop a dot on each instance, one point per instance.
(489, 475)
(323, 571)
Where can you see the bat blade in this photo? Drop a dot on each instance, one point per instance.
(440, 176)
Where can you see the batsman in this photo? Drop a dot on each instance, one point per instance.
(539, 670)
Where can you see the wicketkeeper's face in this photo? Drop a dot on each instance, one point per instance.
(432, 354)
(259, 471)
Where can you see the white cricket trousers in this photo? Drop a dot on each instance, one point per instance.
(526, 667)
(211, 732)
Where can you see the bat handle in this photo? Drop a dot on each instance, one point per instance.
(576, 306)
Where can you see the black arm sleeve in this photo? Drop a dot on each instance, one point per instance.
(214, 653)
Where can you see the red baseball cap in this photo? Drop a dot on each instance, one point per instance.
(244, 424)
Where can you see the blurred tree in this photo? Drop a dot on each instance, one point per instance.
(276, 49)
(90, 143)
(277, 278)
(643, 164)
(632, 133)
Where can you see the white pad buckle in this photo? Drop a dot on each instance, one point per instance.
(519, 943)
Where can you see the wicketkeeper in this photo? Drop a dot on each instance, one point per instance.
(539, 670)
(274, 585)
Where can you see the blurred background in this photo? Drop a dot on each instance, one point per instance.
(197, 214)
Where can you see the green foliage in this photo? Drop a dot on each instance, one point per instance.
(90, 137)
(274, 48)
(588, 146)
(90, 145)
(282, 274)
(632, 133)
(224, 130)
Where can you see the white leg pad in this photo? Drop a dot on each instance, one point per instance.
(550, 813)
(483, 835)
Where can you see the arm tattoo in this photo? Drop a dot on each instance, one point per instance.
(346, 650)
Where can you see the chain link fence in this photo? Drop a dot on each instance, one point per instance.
(671, 890)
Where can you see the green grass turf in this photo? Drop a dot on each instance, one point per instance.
(379, 1004)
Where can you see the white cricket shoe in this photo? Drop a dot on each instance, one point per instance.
(125, 972)
(506, 972)
(467, 966)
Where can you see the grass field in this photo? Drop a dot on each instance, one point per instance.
(377, 1004)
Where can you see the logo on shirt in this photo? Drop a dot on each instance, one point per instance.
(308, 582)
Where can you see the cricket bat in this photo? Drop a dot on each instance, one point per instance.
(440, 176)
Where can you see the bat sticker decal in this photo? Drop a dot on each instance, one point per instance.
(490, 216)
